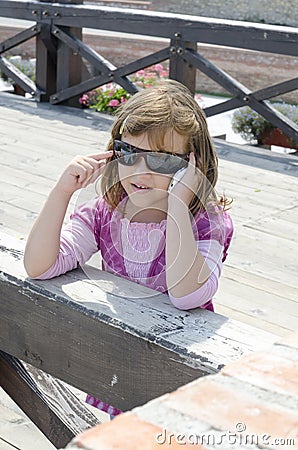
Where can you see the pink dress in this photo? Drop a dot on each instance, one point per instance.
(136, 251)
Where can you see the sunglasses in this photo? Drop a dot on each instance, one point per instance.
(160, 162)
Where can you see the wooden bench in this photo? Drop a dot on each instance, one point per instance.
(115, 339)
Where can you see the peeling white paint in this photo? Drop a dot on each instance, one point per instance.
(114, 380)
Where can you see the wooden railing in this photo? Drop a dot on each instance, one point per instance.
(105, 335)
(62, 75)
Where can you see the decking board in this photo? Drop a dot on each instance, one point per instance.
(259, 281)
(37, 140)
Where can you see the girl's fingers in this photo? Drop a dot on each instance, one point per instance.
(92, 178)
(100, 156)
(84, 170)
(92, 163)
(96, 173)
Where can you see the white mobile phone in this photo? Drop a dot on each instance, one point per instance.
(176, 178)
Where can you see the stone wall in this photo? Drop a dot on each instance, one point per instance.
(267, 11)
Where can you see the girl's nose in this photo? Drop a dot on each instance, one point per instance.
(140, 165)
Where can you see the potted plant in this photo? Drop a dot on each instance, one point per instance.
(253, 127)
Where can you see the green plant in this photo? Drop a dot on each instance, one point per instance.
(109, 97)
(251, 125)
(27, 66)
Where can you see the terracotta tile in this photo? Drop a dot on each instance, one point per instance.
(128, 432)
(266, 371)
(224, 407)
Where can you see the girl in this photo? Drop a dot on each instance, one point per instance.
(171, 238)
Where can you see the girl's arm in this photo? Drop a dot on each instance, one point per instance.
(43, 242)
(187, 269)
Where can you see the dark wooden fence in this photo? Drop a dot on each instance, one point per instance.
(62, 75)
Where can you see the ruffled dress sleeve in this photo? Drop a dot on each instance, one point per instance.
(77, 241)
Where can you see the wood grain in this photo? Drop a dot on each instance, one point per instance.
(108, 336)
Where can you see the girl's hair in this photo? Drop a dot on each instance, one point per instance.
(155, 111)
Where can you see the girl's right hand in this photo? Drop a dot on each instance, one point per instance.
(82, 171)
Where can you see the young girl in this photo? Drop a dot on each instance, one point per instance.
(170, 238)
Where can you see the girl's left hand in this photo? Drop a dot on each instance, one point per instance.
(188, 186)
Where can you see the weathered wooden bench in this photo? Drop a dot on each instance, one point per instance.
(115, 339)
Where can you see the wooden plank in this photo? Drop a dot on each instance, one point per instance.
(69, 65)
(251, 320)
(264, 284)
(258, 196)
(19, 38)
(5, 445)
(45, 115)
(68, 137)
(276, 226)
(103, 332)
(47, 401)
(20, 219)
(12, 71)
(256, 159)
(265, 306)
(270, 181)
(274, 261)
(18, 432)
(180, 70)
(46, 62)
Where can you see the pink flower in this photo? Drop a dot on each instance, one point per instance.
(84, 99)
(140, 73)
(123, 99)
(158, 68)
(114, 103)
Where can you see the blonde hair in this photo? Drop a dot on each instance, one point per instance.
(154, 111)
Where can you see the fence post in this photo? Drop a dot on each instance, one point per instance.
(57, 67)
(46, 62)
(181, 70)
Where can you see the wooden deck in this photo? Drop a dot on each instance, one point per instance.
(259, 283)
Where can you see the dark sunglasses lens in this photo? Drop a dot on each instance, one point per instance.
(125, 154)
(165, 163)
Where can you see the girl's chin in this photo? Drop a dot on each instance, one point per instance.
(147, 198)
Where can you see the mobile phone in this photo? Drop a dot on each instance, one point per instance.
(176, 178)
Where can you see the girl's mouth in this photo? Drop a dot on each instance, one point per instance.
(140, 187)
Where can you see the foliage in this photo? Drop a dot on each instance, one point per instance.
(251, 125)
(27, 66)
(109, 97)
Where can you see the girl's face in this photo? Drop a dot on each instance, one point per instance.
(145, 187)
